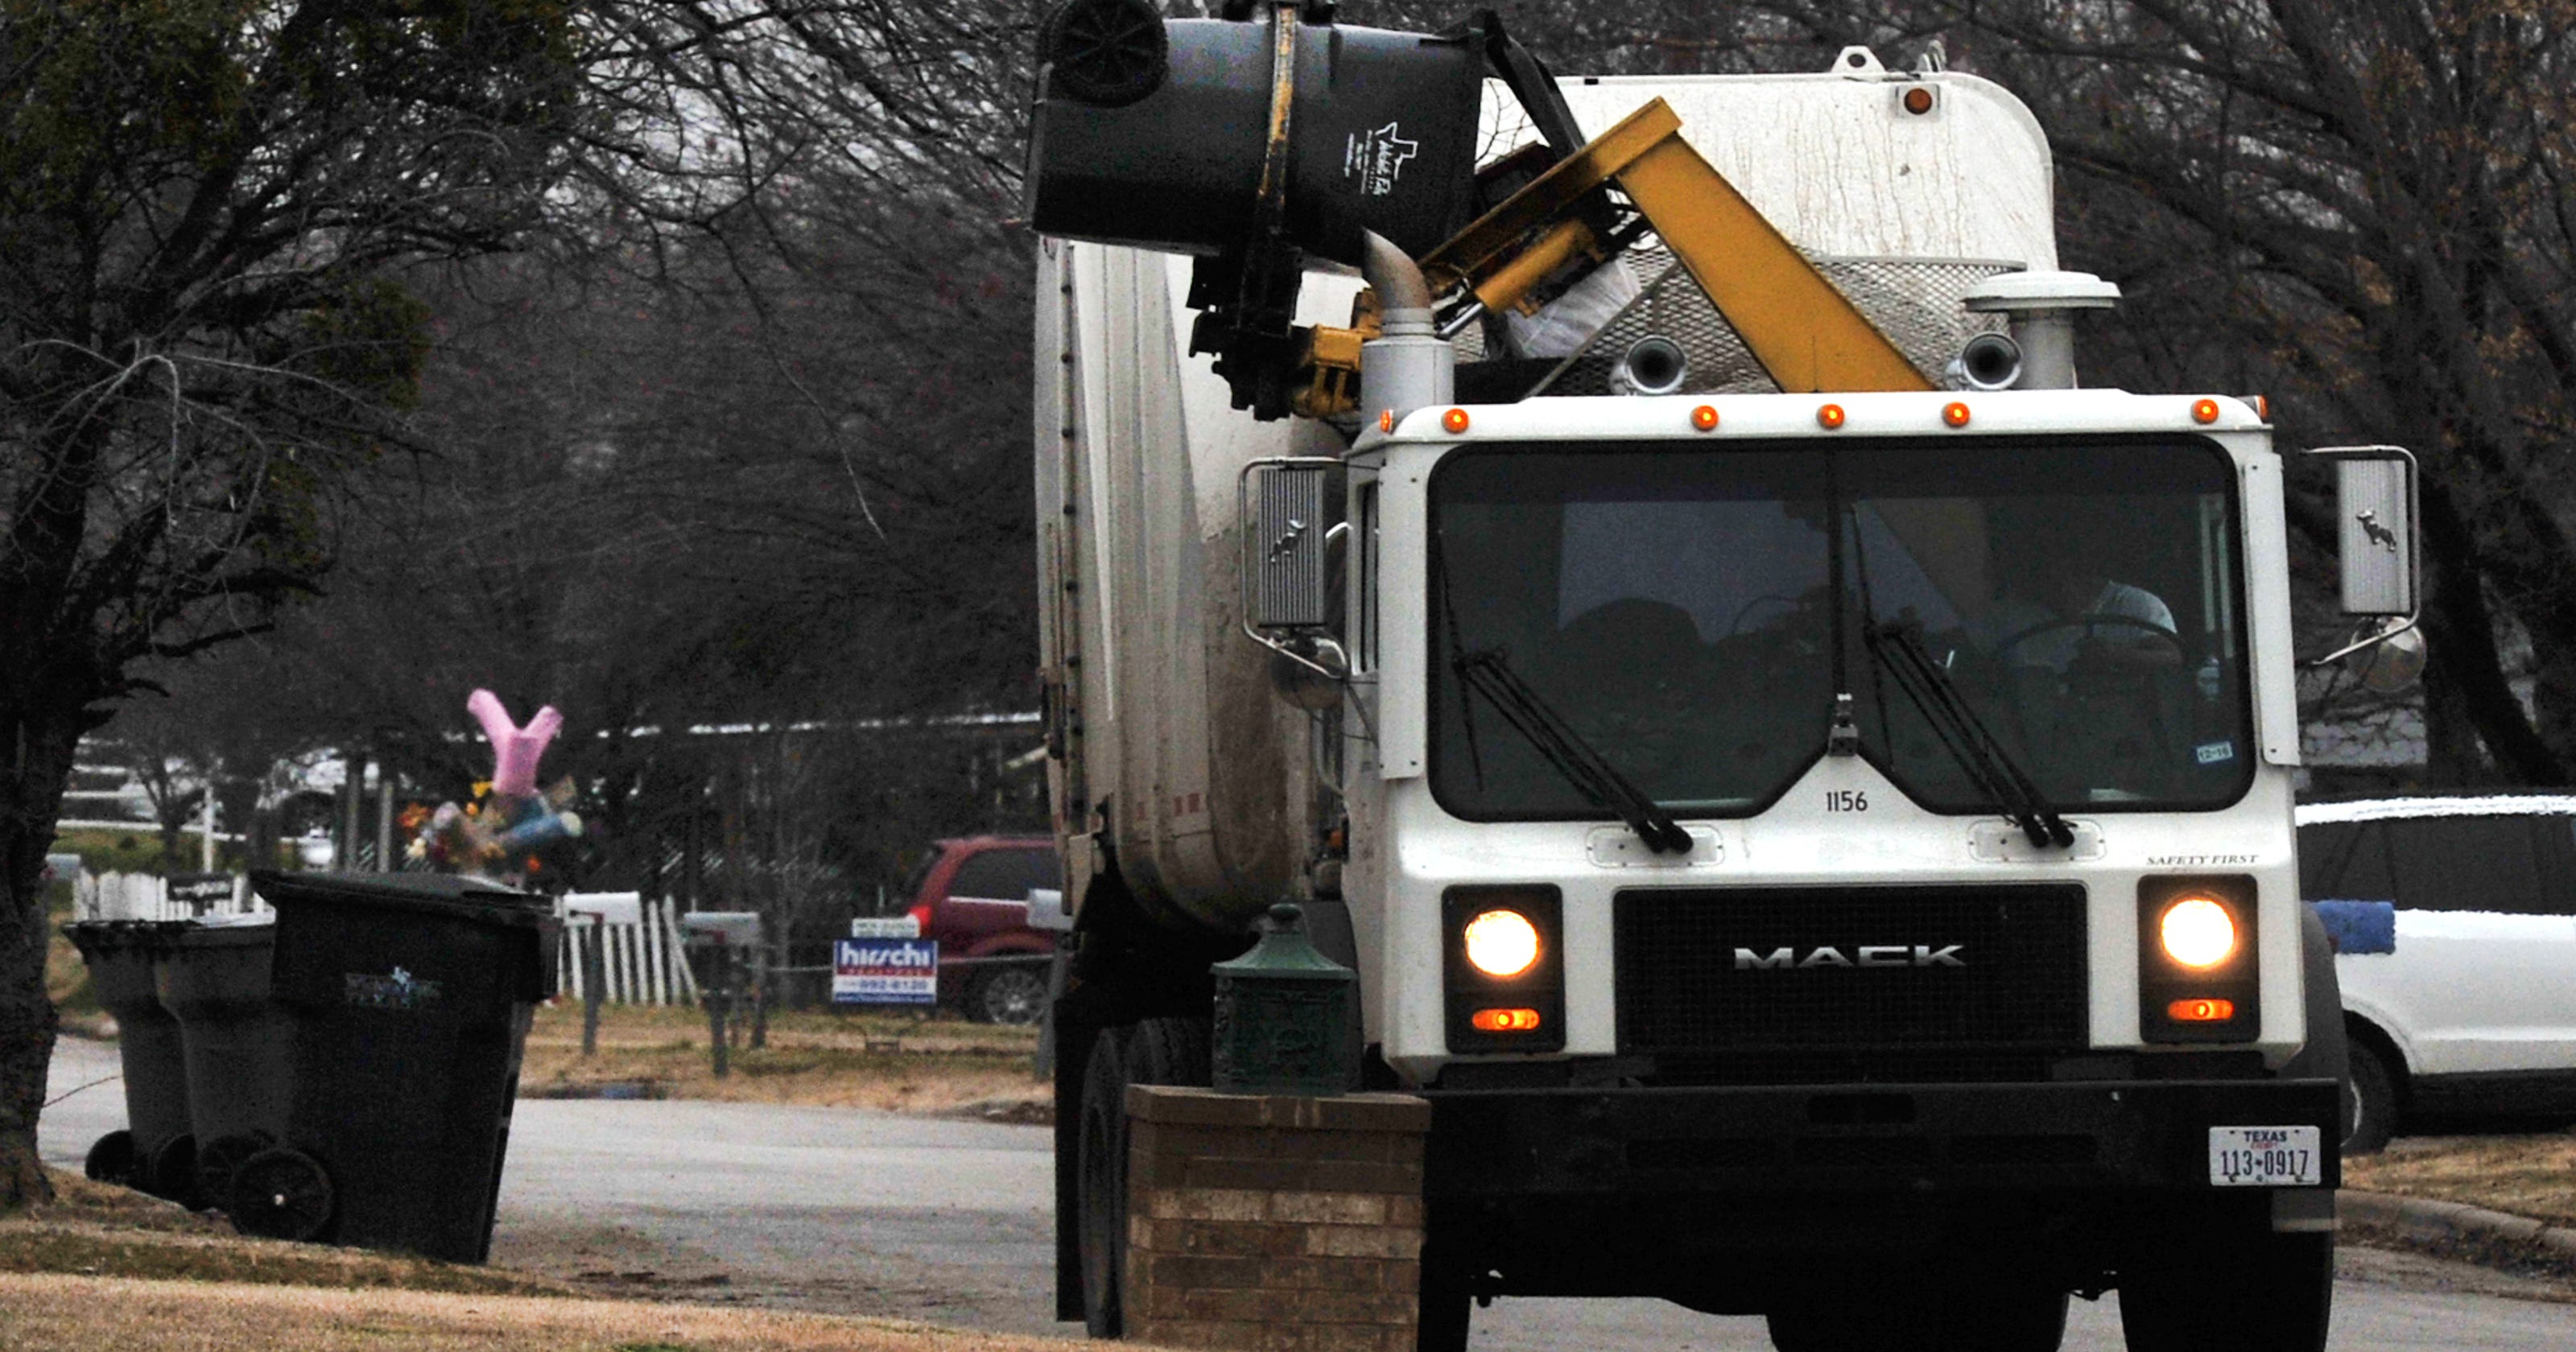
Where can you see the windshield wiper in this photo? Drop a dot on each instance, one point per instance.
(1898, 650)
(1486, 673)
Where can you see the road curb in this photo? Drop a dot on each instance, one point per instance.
(2457, 1226)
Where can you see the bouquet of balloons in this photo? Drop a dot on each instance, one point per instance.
(499, 833)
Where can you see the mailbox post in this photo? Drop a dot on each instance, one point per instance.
(723, 936)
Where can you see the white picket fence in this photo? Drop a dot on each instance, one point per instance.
(146, 896)
(643, 960)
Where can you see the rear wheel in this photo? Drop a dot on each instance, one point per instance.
(282, 1194)
(1012, 995)
(111, 1159)
(172, 1171)
(1156, 1051)
(2369, 1101)
(2253, 1291)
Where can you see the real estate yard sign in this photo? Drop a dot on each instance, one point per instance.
(885, 971)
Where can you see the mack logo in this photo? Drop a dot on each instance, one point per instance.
(1867, 955)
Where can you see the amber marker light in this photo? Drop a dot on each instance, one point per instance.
(1502, 943)
(1455, 420)
(1918, 100)
(1829, 417)
(1704, 418)
(2198, 933)
(1386, 420)
(2204, 411)
(2262, 406)
(1955, 414)
(2201, 1011)
(1504, 1020)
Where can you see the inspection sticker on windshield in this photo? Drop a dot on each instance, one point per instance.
(2215, 753)
(2264, 1157)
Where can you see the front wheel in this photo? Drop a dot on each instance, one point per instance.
(2253, 1291)
(1156, 1051)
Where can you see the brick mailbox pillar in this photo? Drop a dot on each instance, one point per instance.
(1285, 1224)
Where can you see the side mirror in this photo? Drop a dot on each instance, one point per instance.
(2375, 509)
(2381, 557)
(1286, 563)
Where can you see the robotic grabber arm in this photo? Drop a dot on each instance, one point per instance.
(1269, 137)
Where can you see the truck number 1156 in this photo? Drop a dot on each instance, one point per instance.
(1846, 800)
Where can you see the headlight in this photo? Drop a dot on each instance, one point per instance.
(1501, 944)
(2198, 933)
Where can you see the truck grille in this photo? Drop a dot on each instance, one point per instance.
(1685, 998)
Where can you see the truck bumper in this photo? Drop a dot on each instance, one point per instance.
(1633, 1191)
(1811, 1139)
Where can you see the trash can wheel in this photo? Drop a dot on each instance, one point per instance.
(173, 1170)
(281, 1193)
(218, 1159)
(111, 1159)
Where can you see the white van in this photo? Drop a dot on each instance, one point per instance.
(2474, 1010)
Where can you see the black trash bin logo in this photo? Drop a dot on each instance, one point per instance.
(397, 990)
(1375, 159)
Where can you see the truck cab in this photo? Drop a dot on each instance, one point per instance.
(1804, 784)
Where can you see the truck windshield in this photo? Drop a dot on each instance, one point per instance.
(1693, 614)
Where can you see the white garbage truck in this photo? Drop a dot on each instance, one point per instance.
(1805, 785)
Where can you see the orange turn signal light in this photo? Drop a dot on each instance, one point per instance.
(2201, 1010)
(1455, 420)
(1386, 420)
(1704, 418)
(1918, 100)
(1955, 414)
(1829, 417)
(1504, 1020)
(2204, 411)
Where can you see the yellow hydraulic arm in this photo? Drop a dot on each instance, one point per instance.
(1806, 335)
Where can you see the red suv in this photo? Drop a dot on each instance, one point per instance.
(973, 898)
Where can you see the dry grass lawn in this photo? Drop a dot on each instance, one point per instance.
(2525, 1175)
(53, 1313)
(892, 1062)
(91, 1228)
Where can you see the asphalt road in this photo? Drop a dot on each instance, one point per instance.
(876, 1213)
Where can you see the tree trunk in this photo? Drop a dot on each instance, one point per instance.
(36, 749)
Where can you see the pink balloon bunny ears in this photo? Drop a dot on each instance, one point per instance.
(515, 750)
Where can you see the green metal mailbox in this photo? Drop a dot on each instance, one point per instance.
(1284, 1014)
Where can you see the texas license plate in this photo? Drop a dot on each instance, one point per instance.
(2264, 1157)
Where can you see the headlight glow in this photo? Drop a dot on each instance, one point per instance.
(1502, 943)
(2198, 933)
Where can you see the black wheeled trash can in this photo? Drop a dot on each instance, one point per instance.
(408, 998)
(213, 978)
(155, 1151)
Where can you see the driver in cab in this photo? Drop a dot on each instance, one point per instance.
(2080, 620)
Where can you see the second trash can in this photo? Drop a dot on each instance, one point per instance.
(213, 978)
(155, 1151)
(408, 998)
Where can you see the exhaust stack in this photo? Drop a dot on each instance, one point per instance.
(2040, 307)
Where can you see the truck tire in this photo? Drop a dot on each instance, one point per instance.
(1155, 1051)
(2253, 1291)
(2369, 1102)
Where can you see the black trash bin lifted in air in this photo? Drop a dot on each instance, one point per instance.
(213, 978)
(155, 1151)
(408, 998)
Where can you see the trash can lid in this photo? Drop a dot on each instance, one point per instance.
(436, 893)
(249, 930)
(108, 936)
